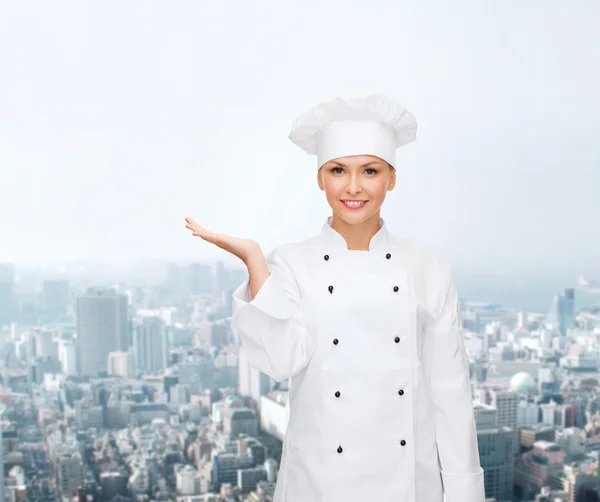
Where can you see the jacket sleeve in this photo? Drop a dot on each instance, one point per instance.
(455, 431)
(270, 326)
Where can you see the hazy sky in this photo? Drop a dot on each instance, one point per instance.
(118, 119)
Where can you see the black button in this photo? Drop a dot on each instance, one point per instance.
(401, 392)
(330, 288)
(403, 442)
(335, 341)
(395, 288)
(340, 449)
(326, 257)
(337, 393)
(388, 256)
(397, 339)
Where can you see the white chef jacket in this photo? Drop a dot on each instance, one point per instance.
(380, 398)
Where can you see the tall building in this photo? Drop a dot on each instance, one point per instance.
(55, 297)
(568, 312)
(8, 304)
(46, 344)
(70, 473)
(101, 328)
(561, 314)
(2, 497)
(121, 364)
(31, 347)
(506, 403)
(200, 279)
(495, 444)
(67, 355)
(150, 344)
(221, 277)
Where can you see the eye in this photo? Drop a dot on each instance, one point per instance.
(374, 171)
(336, 170)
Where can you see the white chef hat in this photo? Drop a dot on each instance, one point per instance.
(375, 125)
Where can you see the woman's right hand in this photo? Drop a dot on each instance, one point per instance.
(242, 248)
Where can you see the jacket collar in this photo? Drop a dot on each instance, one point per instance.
(332, 238)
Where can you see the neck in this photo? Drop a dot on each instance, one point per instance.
(357, 235)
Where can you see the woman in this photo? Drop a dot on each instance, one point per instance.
(366, 325)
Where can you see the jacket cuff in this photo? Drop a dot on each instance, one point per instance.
(463, 487)
(271, 299)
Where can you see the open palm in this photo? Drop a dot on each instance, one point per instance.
(242, 248)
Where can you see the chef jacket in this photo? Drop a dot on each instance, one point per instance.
(380, 397)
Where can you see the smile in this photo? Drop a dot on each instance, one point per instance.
(354, 204)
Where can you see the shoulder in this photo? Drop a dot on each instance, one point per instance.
(430, 271)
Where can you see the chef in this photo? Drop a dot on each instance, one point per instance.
(380, 398)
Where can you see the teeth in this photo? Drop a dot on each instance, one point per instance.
(350, 203)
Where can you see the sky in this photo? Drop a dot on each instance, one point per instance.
(119, 119)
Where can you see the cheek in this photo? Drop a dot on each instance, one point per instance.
(330, 194)
(333, 188)
(377, 190)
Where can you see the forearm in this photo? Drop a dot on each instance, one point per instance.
(258, 271)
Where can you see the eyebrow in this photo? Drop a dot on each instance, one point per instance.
(364, 165)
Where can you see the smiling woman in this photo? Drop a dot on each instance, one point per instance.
(365, 325)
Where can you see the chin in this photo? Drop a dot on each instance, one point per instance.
(352, 217)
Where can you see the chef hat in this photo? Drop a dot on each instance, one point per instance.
(375, 125)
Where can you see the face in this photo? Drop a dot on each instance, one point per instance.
(365, 179)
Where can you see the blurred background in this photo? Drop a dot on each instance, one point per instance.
(119, 119)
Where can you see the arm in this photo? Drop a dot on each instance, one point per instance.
(267, 319)
(455, 431)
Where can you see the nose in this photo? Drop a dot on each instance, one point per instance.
(353, 186)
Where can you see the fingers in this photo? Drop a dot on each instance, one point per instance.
(191, 224)
(194, 227)
(199, 231)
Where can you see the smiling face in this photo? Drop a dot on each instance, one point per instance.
(356, 186)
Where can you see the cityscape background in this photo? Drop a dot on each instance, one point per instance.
(121, 379)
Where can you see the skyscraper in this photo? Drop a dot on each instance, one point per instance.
(561, 314)
(200, 278)
(495, 444)
(121, 364)
(150, 344)
(506, 403)
(67, 355)
(55, 297)
(101, 328)
(7, 296)
(2, 408)
(46, 343)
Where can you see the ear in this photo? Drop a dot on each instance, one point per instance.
(392, 182)
(319, 179)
